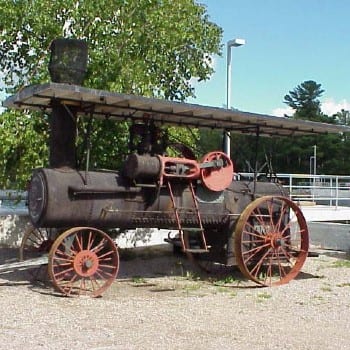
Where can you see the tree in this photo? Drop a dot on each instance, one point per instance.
(343, 117)
(293, 154)
(145, 47)
(304, 99)
(22, 146)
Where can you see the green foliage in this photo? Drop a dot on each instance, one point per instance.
(210, 140)
(108, 144)
(342, 117)
(304, 99)
(144, 47)
(331, 148)
(23, 146)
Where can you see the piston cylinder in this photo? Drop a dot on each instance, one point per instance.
(142, 167)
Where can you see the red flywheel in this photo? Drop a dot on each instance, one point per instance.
(217, 178)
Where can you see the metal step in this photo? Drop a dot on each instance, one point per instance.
(197, 251)
(181, 215)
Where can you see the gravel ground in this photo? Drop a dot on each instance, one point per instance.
(157, 304)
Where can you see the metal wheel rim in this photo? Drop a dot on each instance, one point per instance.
(35, 241)
(83, 261)
(271, 247)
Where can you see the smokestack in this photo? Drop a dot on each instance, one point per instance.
(68, 61)
(68, 65)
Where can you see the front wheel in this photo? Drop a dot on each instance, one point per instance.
(36, 243)
(271, 240)
(83, 261)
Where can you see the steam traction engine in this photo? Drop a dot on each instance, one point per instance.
(220, 220)
(217, 219)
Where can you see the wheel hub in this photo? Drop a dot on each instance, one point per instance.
(85, 263)
(274, 239)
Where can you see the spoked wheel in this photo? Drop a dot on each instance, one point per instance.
(83, 261)
(36, 242)
(271, 240)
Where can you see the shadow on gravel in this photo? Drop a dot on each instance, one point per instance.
(11, 276)
(135, 265)
(304, 276)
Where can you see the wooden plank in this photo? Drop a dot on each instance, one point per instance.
(120, 106)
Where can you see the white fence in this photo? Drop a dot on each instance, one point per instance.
(332, 190)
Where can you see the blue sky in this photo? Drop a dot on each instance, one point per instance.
(287, 42)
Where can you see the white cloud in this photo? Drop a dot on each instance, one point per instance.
(280, 112)
(329, 107)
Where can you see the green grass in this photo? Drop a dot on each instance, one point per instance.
(326, 288)
(138, 280)
(318, 297)
(192, 287)
(191, 276)
(263, 296)
(345, 284)
(225, 280)
(341, 263)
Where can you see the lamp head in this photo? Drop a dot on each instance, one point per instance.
(235, 42)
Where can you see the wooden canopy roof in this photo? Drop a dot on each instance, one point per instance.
(105, 104)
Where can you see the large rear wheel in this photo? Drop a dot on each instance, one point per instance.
(271, 240)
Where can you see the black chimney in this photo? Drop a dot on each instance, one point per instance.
(67, 65)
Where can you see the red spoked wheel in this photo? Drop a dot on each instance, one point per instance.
(83, 261)
(36, 242)
(271, 240)
(217, 178)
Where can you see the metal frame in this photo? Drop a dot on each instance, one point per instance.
(104, 104)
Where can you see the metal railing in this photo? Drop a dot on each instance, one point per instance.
(13, 202)
(332, 190)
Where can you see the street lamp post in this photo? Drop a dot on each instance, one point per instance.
(230, 44)
(313, 166)
(315, 159)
